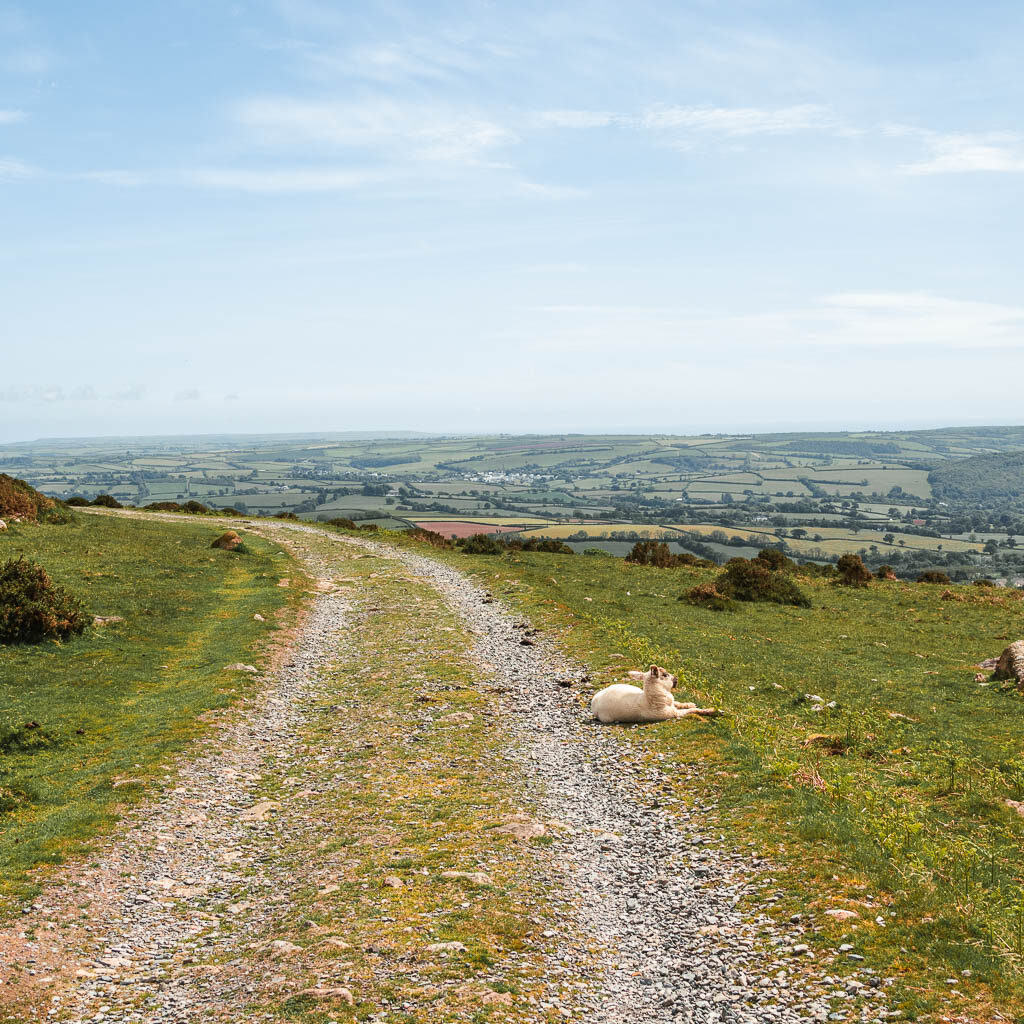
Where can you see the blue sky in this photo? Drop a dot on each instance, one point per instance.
(295, 215)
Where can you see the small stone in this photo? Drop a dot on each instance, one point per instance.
(476, 877)
(259, 811)
(446, 947)
(841, 915)
(522, 828)
(324, 995)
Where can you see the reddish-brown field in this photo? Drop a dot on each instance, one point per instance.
(455, 528)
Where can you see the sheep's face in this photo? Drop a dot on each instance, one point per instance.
(656, 676)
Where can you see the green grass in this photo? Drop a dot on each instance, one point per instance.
(120, 701)
(907, 821)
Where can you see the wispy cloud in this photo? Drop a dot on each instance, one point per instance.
(12, 169)
(12, 116)
(1001, 152)
(742, 120)
(281, 179)
(50, 394)
(709, 120)
(405, 131)
(852, 321)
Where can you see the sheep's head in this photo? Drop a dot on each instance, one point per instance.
(656, 676)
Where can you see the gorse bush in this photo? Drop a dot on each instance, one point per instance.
(342, 523)
(195, 508)
(106, 501)
(852, 571)
(435, 540)
(163, 506)
(707, 595)
(32, 608)
(775, 560)
(545, 544)
(885, 572)
(479, 544)
(656, 553)
(820, 570)
(19, 500)
(752, 580)
(285, 515)
(933, 576)
(77, 502)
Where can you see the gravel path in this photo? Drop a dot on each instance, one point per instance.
(639, 877)
(202, 844)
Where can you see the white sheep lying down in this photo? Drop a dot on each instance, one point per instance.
(654, 702)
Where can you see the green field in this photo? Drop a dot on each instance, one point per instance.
(89, 723)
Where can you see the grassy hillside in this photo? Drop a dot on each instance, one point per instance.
(889, 796)
(87, 723)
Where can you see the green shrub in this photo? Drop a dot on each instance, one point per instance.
(885, 572)
(745, 580)
(933, 576)
(32, 608)
(195, 508)
(824, 570)
(369, 527)
(57, 515)
(984, 582)
(435, 540)
(285, 515)
(106, 501)
(852, 571)
(597, 553)
(19, 500)
(546, 544)
(76, 502)
(342, 523)
(656, 553)
(230, 510)
(479, 544)
(707, 595)
(775, 560)
(163, 506)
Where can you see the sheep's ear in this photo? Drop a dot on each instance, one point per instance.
(654, 670)
(636, 675)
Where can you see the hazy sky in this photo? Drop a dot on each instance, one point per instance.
(285, 215)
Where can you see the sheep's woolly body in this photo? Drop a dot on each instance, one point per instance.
(621, 702)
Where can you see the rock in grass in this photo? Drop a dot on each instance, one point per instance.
(237, 666)
(393, 882)
(106, 620)
(842, 915)
(446, 947)
(3, 526)
(324, 995)
(1011, 664)
(476, 877)
(259, 811)
(523, 828)
(228, 541)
